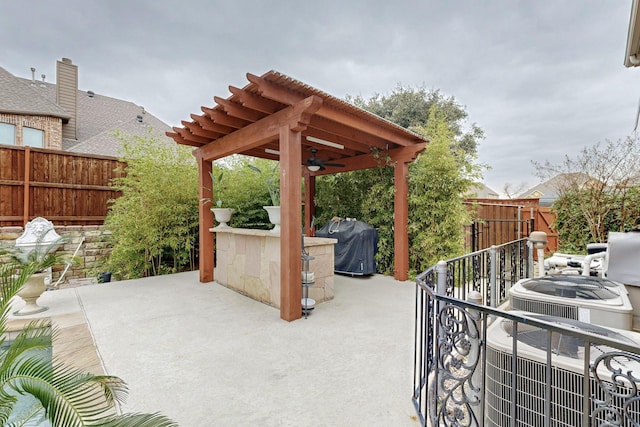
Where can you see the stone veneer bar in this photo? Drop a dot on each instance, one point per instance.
(248, 261)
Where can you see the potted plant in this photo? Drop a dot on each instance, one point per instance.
(35, 252)
(274, 193)
(221, 214)
(34, 262)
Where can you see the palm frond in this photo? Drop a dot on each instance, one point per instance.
(136, 420)
(69, 396)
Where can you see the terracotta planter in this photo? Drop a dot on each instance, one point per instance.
(274, 217)
(30, 292)
(223, 216)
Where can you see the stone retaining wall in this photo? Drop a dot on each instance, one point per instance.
(94, 249)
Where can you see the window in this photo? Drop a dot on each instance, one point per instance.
(32, 137)
(7, 134)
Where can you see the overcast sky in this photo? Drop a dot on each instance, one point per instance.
(543, 78)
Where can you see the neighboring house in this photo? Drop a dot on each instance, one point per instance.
(480, 191)
(548, 192)
(60, 116)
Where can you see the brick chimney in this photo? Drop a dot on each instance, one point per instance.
(67, 95)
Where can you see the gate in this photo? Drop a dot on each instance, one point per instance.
(496, 224)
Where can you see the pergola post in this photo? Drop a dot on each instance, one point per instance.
(206, 220)
(290, 228)
(401, 220)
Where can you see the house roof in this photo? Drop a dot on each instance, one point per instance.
(21, 96)
(99, 117)
(548, 191)
(480, 191)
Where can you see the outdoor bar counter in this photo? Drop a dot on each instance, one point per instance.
(248, 261)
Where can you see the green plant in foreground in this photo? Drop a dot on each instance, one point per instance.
(217, 187)
(62, 395)
(272, 183)
(154, 223)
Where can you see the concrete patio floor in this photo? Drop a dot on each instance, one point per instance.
(205, 355)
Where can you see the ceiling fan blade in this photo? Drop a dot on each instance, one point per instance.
(337, 165)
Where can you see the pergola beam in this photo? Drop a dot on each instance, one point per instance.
(237, 110)
(256, 134)
(255, 102)
(222, 118)
(180, 140)
(278, 93)
(187, 135)
(350, 134)
(206, 123)
(197, 130)
(368, 161)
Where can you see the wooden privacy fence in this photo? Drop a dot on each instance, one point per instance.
(499, 221)
(66, 188)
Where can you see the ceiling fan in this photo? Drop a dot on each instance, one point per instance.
(317, 164)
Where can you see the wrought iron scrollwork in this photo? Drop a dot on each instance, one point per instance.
(513, 258)
(476, 272)
(616, 398)
(502, 280)
(456, 394)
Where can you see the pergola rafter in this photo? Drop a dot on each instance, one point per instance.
(271, 117)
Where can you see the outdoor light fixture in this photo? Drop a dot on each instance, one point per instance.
(324, 142)
(313, 168)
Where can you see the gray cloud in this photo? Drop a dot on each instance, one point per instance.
(543, 78)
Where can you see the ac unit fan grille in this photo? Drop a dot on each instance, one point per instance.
(542, 307)
(566, 393)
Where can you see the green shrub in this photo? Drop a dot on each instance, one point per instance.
(438, 180)
(246, 191)
(155, 221)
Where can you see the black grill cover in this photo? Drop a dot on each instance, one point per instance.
(356, 248)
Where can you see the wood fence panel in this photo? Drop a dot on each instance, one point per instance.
(66, 188)
(498, 221)
(544, 222)
(11, 179)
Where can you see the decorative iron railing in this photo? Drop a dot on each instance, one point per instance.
(490, 272)
(476, 365)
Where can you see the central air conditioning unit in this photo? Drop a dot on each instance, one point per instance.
(567, 374)
(585, 298)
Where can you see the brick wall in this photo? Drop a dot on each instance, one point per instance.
(52, 127)
(93, 250)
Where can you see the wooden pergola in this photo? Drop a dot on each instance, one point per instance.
(279, 118)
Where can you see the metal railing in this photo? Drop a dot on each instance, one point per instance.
(482, 233)
(464, 364)
(489, 272)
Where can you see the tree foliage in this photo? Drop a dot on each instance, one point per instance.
(410, 108)
(437, 180)
(598, 192)
(247, 191)
(154, 223)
